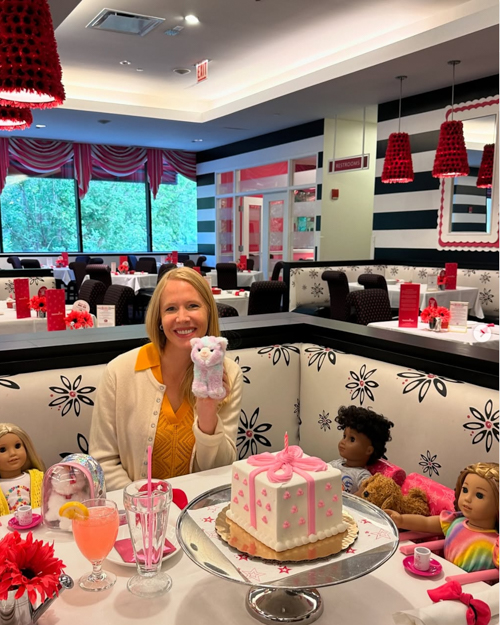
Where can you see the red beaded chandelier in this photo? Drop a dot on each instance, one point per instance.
(30, 70)
(451, 154)
(485, 175)
(398, 165)
(15, 119)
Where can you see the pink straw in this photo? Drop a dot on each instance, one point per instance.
(150, 515)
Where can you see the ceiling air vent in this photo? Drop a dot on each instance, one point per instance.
(126, 23)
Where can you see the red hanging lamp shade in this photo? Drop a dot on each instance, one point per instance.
(398, 164)
(15, 119)
(485, 175)
(30, 69)
(451, 154)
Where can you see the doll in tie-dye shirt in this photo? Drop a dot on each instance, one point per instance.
(471, 531)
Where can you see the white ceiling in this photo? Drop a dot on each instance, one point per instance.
(273, 64)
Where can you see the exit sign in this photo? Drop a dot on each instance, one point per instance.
(350, 163)
(202, 70)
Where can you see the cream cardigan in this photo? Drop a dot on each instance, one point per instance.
(126, 414)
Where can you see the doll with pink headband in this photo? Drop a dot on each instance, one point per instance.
(471, 530)
(21, 470)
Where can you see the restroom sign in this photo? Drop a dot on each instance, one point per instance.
(350, 163)
(202, 70)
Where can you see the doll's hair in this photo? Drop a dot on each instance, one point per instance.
(365, 421)
(153, 317)
(33, 460)
(488, 471)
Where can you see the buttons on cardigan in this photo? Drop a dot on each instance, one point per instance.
(158, 400)
(152, 425)
(150, 439)
(162, 388)
(155, 412)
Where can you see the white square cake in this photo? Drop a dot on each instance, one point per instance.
(285, 501)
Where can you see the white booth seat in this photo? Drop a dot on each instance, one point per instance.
(36, 282)
(441, 425)
(308, 289)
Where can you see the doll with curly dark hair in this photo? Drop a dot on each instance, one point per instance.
(364, 440)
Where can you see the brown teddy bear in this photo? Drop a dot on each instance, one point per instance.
(386, 494)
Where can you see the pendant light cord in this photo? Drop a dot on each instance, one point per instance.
(400, 78)
(453, 64)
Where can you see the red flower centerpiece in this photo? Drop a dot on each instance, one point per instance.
(77, 319)
(28, 566)
(123, 268)
(432, 313)
(39, 303)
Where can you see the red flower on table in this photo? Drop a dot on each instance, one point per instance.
(28, 566)
(77, 319)
(38, 303)
(432, 312)
(123, 268)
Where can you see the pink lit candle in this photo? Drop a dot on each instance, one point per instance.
(286, 441)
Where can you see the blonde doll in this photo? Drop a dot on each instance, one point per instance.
(21, 470)
(471, 531)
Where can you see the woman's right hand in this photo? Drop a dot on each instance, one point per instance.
(396, 517)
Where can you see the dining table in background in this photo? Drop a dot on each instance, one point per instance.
(65, 274)
(467, 294)
(10, 324)
(240, 302)
(245, 278)
(135, 281)
(476, 332)
(198, 597)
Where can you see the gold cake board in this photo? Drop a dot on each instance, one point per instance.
(241, 540)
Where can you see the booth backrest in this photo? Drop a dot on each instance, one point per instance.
(307, 287)
(36, 282)
(441, 425)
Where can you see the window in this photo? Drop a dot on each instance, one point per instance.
(114, 213)
(173, 218)
(39, 212)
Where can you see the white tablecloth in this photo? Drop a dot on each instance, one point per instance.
(473, 334)
(61, 273)
(443, 298)
(240, 302)
(245, 278)
(200, 598)
(10, 324)
(136, 281)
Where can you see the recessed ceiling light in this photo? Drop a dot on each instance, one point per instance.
(40, 126)
(196, 140)
(104, 121)
(139, 69)
(125, 62)
(191, 19)
(181, 71)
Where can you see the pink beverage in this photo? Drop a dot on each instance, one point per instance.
(96, 534)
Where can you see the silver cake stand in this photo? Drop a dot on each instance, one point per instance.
(294, 599)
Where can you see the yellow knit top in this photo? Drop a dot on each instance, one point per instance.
(174, 440)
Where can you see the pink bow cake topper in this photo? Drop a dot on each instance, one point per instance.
(478, 612)
(280, 467)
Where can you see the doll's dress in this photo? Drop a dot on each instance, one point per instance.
(32, 497)
(470, 549)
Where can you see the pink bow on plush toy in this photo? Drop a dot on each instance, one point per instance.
(478, 612)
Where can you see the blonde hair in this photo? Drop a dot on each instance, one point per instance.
(33, 460)
(488, 471)
(153, 317)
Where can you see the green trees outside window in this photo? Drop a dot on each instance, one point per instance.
(173, 218)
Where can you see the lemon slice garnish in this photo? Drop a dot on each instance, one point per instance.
(73, 509)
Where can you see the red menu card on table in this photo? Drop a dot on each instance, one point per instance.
(56, 309)
(409, 305)
(243, 261)
(175, 257)
(451, 275)
(22, 295)
(65, 258)
(123, 259)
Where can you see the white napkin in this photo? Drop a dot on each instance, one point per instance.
(446, 612)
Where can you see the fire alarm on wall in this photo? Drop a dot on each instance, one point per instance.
(335, 194)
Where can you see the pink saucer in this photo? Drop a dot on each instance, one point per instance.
(14, 525)
(434, 569)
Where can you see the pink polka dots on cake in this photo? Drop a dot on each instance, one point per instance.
(302, 520)
(264, 519)
(246, 508)
(321, 504)
(328, 486)
(245, 482)
(236, 476)
(300, 492)
(259, 503)
(241, 493)
(263, 492)
(235, 500)
(294, 509)
(329, 512)
(335, 498)
(286, 495)
(268, 507)
(286, 525)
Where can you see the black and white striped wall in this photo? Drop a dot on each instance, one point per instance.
(295, 142)
(406, 215)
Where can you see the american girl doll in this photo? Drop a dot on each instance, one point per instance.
(471, 531)
(21, 470)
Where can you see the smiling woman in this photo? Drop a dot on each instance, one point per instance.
(145, 398)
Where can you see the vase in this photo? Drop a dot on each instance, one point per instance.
(21, 612)
(41, 314)
(432, 323)
(437, 325)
